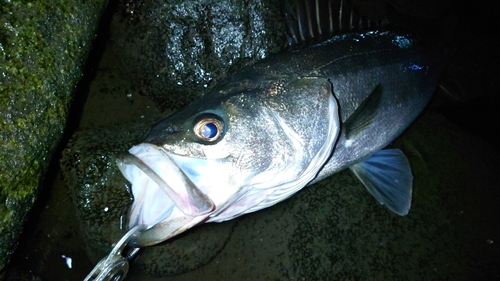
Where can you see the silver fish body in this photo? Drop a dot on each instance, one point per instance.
(278, 125)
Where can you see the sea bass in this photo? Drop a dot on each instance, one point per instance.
(280, 124)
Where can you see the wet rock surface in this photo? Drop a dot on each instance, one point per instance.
(174, 51)
(97, 189)
(43, 46)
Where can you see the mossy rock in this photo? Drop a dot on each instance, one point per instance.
(43, 46)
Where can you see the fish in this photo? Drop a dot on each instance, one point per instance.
(280, 124)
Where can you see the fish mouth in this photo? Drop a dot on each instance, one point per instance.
(166, 201)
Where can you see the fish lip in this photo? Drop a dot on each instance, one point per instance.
(192, 204)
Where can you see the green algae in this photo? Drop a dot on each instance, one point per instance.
(43, 46)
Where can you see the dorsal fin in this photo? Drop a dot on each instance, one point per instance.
(311, 21)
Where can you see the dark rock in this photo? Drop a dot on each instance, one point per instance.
(176, 50)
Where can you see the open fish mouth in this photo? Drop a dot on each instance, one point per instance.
(166, 201)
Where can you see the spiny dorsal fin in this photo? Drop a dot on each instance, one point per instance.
(311, 21)
(363, 116)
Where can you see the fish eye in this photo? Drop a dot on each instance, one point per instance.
(209, 128)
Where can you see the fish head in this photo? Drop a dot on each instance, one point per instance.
(241, 147)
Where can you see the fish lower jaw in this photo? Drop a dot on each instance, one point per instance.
(165, 229)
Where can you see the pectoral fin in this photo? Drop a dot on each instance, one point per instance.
(364, 114)
(387, 175)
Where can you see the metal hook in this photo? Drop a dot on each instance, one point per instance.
(114, 267)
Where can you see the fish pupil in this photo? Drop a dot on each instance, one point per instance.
(209, 130)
